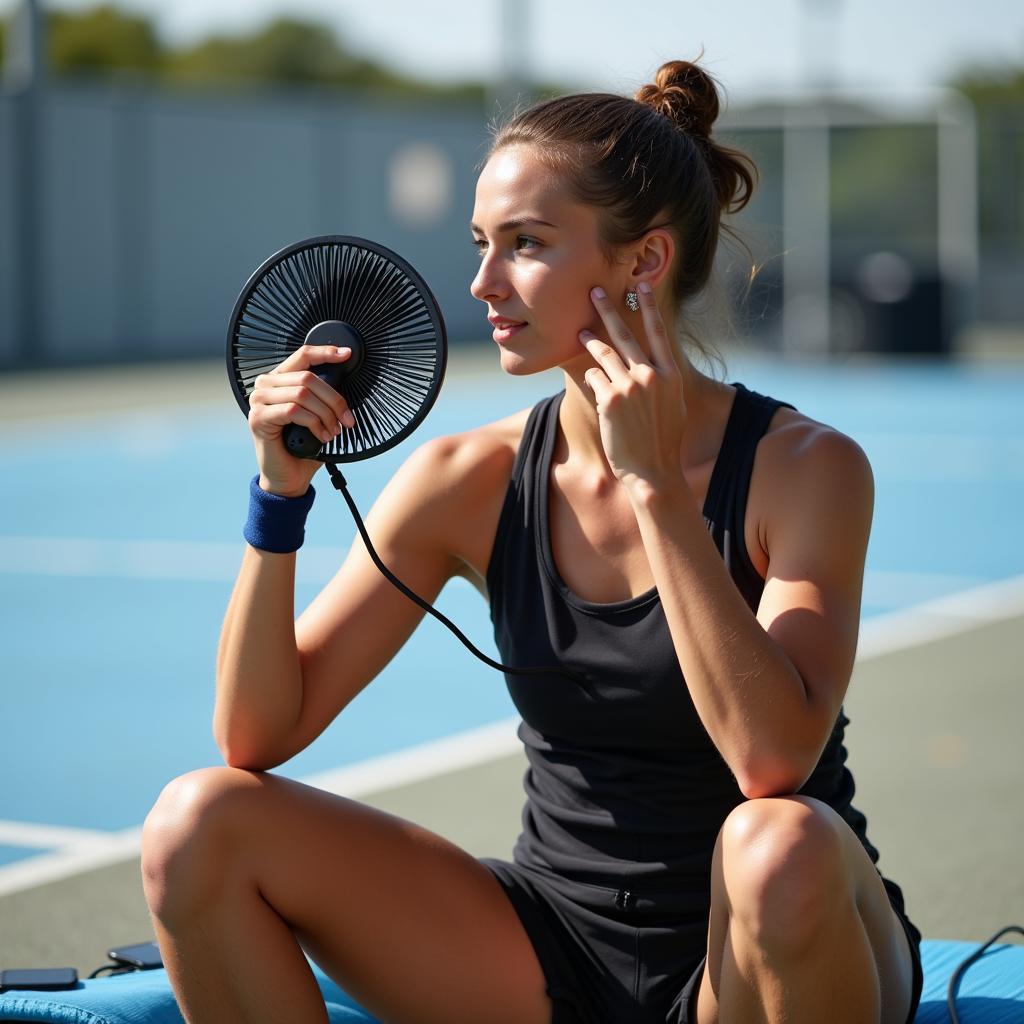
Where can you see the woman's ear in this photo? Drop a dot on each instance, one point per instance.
(652, 256)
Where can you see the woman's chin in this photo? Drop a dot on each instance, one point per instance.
(515, 365)
(529, 362)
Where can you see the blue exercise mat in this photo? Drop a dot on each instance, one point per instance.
(142, 997)
(991, 992)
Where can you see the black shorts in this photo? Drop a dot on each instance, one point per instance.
(610, 956)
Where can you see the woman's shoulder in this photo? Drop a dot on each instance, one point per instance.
(458, 486)
(489, 447)
(795, 443)
(807, 467)
(447, 494)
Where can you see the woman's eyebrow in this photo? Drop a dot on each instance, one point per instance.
(515, 223)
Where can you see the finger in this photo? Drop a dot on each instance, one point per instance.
(307, 389)
(279, 416)
(595, 379)
(298, 396)
(310, 381)
(605, 356)
(312, 355)
(654, 327)
(619, 333)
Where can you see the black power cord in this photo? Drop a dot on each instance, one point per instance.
(341, 484)
(954, 981)
(112, 969)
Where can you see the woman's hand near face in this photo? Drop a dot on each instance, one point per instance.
(639, 394)
(292, 393)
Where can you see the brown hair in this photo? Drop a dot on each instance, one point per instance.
(646, 162)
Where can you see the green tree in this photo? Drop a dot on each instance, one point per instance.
(104, 40)
(296, 52)
(286, 50)
(101, 40)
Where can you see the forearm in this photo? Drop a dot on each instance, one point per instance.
(259, 677)
(746, 690)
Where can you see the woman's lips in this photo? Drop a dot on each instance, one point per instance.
(505, 331)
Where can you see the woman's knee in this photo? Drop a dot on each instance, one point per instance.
(783, 869)
(188, 836)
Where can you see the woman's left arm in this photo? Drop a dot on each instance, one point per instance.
(768, 687)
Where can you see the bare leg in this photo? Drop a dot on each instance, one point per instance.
(240, 867)
(801, 928)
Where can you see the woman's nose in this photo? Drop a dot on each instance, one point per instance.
(489, 282)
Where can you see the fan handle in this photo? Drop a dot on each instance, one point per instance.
(301, 441)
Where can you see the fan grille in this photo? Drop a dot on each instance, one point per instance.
(376, 292)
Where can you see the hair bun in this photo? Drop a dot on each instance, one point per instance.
(686, 94)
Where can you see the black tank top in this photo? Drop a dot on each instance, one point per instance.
(626, 790)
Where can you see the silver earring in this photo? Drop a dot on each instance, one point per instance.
(633, 301)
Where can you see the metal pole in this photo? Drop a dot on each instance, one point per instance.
(513, 84)
(24, 77)
(807, 220)
(957, 214)
(806, 268)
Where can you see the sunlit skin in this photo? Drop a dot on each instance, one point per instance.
(635, 404)
(240, 866)
(541, 259)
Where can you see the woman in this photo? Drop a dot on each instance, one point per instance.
(694, 550)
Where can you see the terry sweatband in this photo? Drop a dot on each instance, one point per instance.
(276, 523)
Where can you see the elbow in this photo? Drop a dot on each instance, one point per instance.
(247, 758)
(243, 751)
(780, 778)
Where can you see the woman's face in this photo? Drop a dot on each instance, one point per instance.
(539, 258)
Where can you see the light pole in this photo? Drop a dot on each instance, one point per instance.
(513, 63)
(807, 270)
(24, 74)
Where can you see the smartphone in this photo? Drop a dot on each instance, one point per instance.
(144, 956)
(41, 979)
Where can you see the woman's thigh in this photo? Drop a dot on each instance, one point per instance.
(885, 934)
(403, 919)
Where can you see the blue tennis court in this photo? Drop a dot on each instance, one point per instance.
(121, 535)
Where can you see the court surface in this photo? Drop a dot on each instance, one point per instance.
(124, 495)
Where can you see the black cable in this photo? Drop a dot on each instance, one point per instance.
(958, 973)
(113, 969)
(340, 483)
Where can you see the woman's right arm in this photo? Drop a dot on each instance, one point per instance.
(280, 682)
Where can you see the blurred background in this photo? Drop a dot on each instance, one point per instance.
(152, 155)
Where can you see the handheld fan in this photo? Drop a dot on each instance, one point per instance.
(340, 290)
(347, 291)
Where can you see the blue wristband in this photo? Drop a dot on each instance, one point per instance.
(276, 523)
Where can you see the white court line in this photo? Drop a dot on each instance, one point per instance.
(218, 562)
(67, 861)
(941, 617)
(83, 850)
(886, 634)
(169, 560)
(26, 833)
(463, 750)
(174, 561)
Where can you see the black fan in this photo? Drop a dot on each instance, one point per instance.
(341, 290)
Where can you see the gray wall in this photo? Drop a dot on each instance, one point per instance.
(7, 234)
(154, 208)
(149, 210)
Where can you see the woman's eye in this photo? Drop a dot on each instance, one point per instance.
(522, 242)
